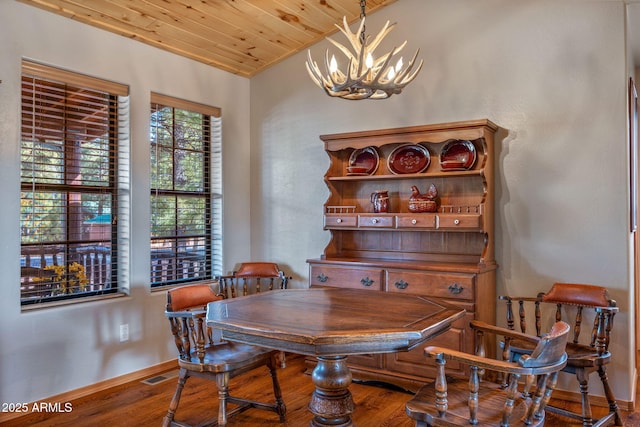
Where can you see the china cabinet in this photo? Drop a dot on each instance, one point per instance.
(440, 245)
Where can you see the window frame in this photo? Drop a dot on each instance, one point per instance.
(168, 266)
(101, 269)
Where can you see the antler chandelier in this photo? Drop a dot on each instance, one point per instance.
(366, 76)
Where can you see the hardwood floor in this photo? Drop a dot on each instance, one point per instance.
(140, 404)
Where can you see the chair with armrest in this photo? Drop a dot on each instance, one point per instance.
(252, 277)
(572, 301)
(201, 356)
(460, 402)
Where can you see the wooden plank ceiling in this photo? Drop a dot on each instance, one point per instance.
(240, 36)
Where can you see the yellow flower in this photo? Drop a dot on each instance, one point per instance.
(69, 282)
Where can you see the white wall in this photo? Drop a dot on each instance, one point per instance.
(551, 73)
(50, 351)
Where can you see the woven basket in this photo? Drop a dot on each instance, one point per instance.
(419, 206)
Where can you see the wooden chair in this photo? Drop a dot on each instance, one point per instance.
(460, 402)
(565, 301)
(252, 277)
(200, 355)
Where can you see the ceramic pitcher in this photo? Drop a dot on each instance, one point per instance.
(380, 201)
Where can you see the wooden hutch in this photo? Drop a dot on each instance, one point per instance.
(447, 254)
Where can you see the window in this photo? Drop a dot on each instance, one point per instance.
(74, 137)
(186, 197)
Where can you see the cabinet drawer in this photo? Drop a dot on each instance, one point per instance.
(358, 278)
(463, 221)
(340, 220)
(377, 221)
(417, 221)
(442, 285)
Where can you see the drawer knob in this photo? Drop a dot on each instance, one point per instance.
(374, 220)
(414, 221)
(456, 221)
(455, 288)
(366, 281)
(339, 220)
(401, 284)
(322, 278)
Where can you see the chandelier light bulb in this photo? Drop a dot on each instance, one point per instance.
(369, 61)
(375, 79)
(391, 74)
(333, 64)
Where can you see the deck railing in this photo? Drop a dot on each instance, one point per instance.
(39, 279)
(170, 266)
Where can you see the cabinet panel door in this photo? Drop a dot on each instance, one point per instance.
(357, 278)
(457, 286)
(366, 360)
(415, 363)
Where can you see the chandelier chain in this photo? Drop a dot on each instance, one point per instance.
(363, 14)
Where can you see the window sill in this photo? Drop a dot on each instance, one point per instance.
(45, 305)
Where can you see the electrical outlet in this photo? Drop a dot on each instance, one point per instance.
(124, 332)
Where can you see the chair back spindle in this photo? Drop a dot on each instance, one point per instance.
(252, 277)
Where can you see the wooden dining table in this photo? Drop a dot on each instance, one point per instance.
(331, 324)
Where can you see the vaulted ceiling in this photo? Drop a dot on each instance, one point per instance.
(240, 36)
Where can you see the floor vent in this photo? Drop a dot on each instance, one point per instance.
(160, 378)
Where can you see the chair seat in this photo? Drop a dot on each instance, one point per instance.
(585, 356)
(227, 356)
(578, 355)
(491, 396)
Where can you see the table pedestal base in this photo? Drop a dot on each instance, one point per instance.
(331, 402)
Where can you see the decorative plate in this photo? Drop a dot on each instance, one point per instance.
(409, 158)
(366, 157)
(458, 155)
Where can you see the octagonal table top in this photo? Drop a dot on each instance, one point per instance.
(332, 321)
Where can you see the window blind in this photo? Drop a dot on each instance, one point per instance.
(70, 130)
(185, 210)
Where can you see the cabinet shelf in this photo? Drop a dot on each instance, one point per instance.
(423, 175)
